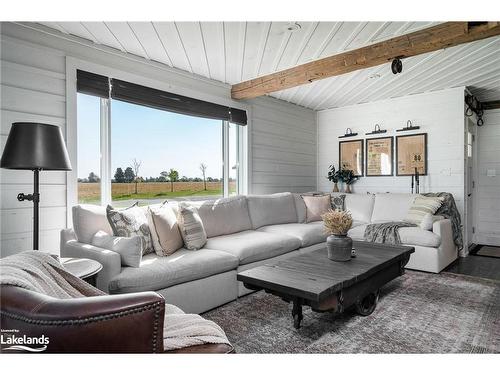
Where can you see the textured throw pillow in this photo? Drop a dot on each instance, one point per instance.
(129, 248)
(422, 206)
(129, 222)
(165, 232)
(316, 206)
(338, 202)
(191, 227)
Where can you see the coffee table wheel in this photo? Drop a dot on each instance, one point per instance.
(367, 305)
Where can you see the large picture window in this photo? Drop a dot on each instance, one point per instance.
(129, 152)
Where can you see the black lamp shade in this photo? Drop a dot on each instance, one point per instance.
(33, 145)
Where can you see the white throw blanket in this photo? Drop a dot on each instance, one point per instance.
(40, 272)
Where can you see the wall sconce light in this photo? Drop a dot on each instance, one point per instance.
(348, 133)
(397, 65)
(377, 130)
(409, 126)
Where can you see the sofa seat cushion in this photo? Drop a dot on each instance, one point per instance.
(250, 246)
(357, 233)
(159, 272)
(418, 236)
(409, 236)
(308, 234)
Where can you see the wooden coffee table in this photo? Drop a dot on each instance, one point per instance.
(313, 280)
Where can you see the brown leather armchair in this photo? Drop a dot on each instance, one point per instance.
(124, 323)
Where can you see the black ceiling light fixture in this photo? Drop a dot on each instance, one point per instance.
(397, 65)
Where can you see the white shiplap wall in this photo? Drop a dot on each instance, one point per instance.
(282, 149)
(32, 89)
(439, 114)
(488, 188)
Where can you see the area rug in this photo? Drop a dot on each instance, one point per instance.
(416, 313)
(489, 251)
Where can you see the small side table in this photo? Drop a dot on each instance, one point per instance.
(85, 269)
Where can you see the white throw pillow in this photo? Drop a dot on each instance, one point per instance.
(165, 232)
(129, 248)
(191, 227)
(422, 206)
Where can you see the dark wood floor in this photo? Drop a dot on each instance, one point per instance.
(479, 266)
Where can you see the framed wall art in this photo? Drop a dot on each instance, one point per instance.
(411, 153)
(379, 156)
(351, 156)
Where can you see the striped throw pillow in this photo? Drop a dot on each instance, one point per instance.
(422, 206)
(191, 227)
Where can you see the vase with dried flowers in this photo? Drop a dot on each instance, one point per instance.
(338, 244)
(333, 176)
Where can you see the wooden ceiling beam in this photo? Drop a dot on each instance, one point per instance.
(431, 39)
(491, 105)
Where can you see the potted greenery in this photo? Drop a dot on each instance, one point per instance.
(333, 176)
(338, 244)
(347, 176)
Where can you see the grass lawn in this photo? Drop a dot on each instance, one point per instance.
(90, 192)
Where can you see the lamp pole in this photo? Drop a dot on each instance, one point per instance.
(35, 197)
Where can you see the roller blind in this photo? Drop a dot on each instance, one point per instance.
(92, 84)
(105, 87)
(142, 95)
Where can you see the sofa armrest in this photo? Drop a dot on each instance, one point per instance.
(444, 229)
(110, 260)
(127, 323)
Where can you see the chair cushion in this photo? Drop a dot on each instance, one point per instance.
(225, 216)
(271, 209)
(88, 219)
(308, 234)
(408, 235)
(250, 246)
(159, 272)
(391, 207)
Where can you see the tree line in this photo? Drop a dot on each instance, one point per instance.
(131, 175)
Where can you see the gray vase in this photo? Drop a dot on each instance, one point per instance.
(339, 247)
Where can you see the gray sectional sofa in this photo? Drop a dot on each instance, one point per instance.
(244, 232)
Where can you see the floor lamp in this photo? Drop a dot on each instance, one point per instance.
(36, 147)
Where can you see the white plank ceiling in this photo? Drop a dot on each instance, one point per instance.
(232, 52)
